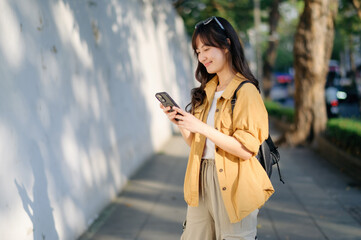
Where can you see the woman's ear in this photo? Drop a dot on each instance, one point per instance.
(229, 41)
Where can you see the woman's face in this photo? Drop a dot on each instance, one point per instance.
(214, 59)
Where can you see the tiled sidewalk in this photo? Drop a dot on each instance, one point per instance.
(317, 201)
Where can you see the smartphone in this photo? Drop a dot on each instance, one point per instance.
(167, 101)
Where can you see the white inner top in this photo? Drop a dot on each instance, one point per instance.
(209, 148)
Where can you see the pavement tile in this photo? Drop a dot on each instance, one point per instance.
(317, 202)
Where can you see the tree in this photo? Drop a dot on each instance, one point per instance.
(357, 5)
(312, 50)
(238, 12)
(271, 52)
(290, 12)
(349, 28)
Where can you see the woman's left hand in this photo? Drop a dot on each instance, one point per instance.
(188, 121)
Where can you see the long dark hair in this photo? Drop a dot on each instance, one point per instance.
(212, 34)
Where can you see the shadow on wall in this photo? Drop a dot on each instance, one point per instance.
(174, 27)
(74, 101)
(39, 209)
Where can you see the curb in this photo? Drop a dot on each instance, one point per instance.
(347, 163)
(280, 124)
(344, 161)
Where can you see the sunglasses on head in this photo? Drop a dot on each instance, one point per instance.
(208, 20)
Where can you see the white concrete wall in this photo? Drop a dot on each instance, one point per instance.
(77, 108)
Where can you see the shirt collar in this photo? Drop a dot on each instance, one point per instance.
(211, 87)
(228, 92)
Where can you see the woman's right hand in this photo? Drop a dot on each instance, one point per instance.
(170, 115)
(187, 135)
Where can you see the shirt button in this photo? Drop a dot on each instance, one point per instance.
(224, 188)
(216, 128)
(217, 110)
(221, 170)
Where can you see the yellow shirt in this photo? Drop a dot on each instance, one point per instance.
(244, 184)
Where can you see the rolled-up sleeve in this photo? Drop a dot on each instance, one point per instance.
(250, 118)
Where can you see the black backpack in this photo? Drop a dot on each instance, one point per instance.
(268, 154)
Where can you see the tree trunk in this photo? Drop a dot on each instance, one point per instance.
(357, 5)
(312, 51)
(353, 70)
(271, 52)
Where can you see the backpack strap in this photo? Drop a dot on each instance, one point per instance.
(234, 98)
(274, 150)
(269, 141)
(279, 173)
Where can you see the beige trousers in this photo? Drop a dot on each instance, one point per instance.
(209, 221)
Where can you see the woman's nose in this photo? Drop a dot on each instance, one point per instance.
(201, 57)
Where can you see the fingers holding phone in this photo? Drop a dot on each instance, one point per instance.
(167, 103)
(171, 114)
(188, 121)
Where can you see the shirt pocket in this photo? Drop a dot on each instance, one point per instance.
(226, 122)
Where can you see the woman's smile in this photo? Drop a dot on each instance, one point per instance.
(207, 64)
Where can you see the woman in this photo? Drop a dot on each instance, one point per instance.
(224, 185)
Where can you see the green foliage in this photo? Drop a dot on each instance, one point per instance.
(290, 11)
(284, 59)
(346, 134)
(338, 44)
(343, 132)
(347, 21)
(238, 12)
(280, 112)
(348, 28)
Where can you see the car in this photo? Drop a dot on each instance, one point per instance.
(342, 97)
(332, 102)
(348, 94)
(331, 91)
(279, 92)
(282, 89)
